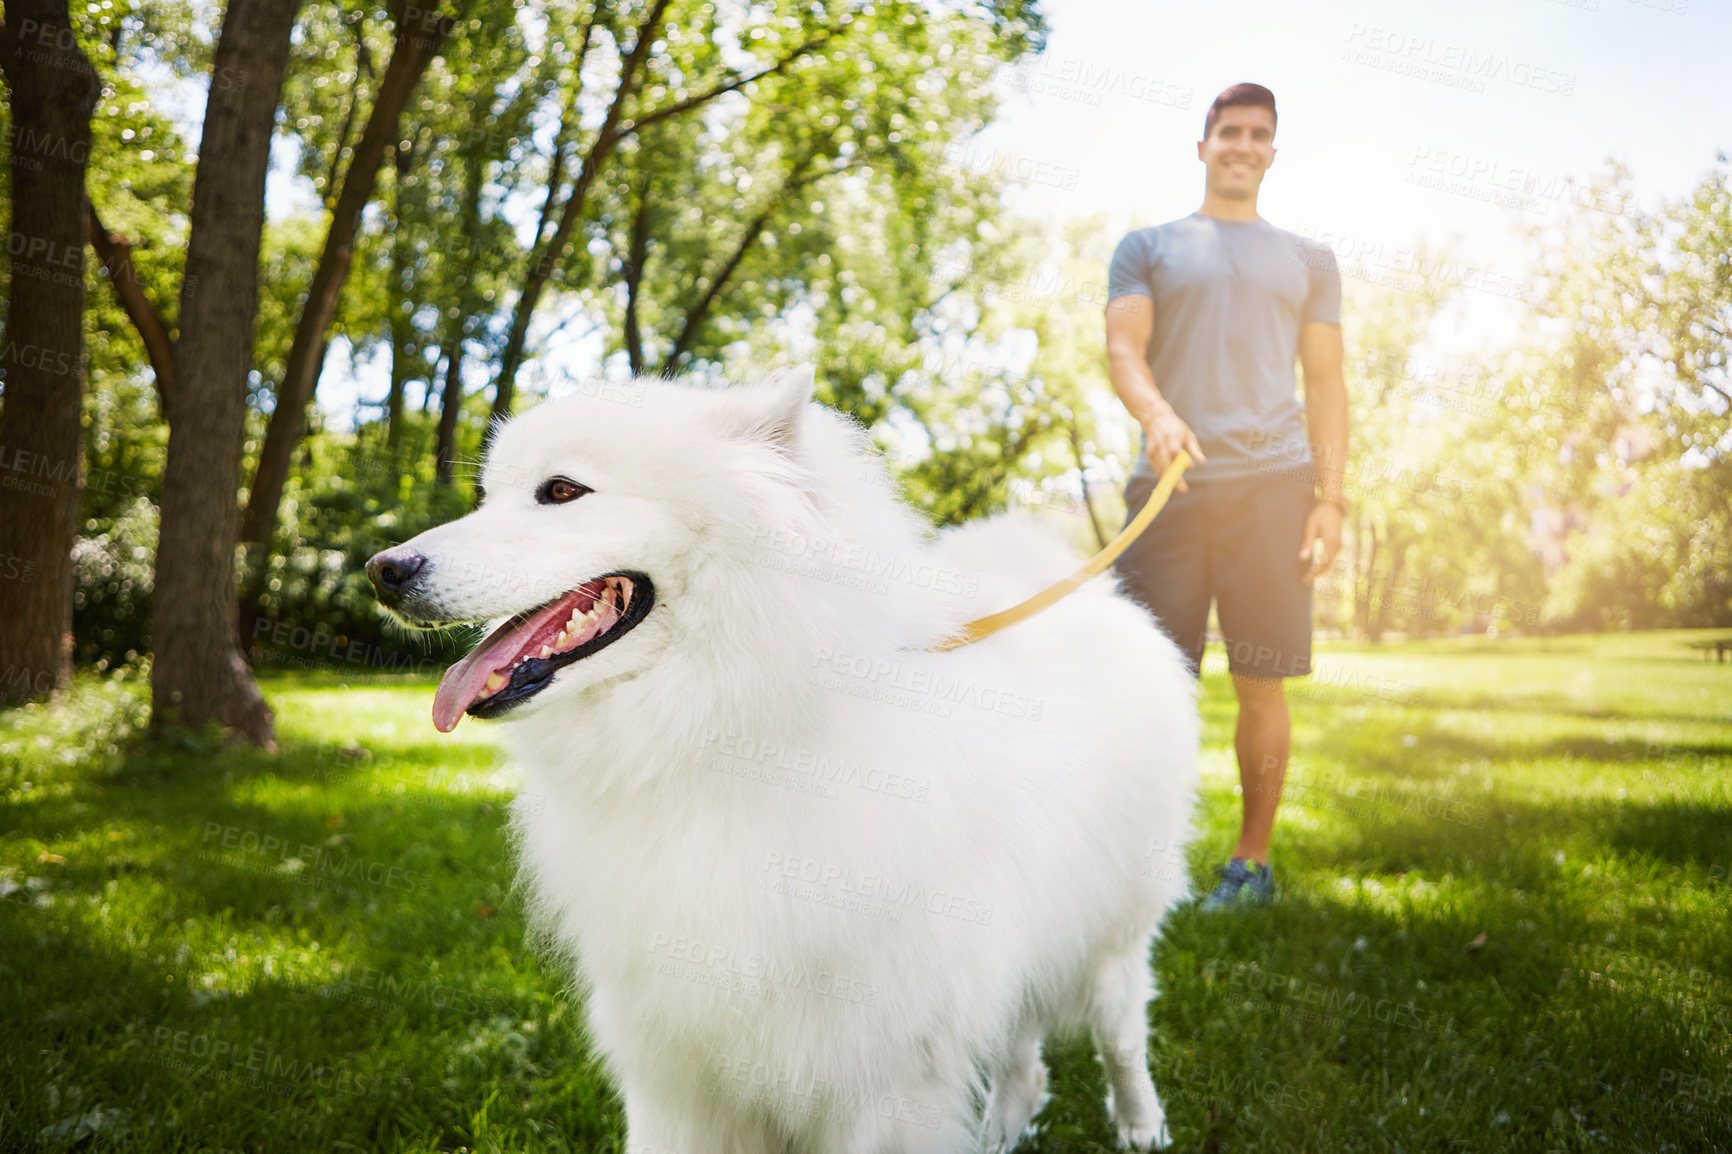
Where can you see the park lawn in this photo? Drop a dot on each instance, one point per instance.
(1505, 925)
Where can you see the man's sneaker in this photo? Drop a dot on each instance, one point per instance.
(1242, 882)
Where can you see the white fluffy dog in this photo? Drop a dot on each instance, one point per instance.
(825, 890)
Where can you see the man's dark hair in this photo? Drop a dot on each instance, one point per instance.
(1238, 96)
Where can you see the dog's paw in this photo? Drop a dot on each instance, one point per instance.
(1142, 1124)
(1005, 1134)
(1153, 1137)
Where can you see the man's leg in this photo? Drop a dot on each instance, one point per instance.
(1167, 568)
(1266, 623)
(1263, 740)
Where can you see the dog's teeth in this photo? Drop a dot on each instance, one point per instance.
(546, 651)
(495, 681)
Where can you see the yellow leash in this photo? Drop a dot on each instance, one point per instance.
(986, 626)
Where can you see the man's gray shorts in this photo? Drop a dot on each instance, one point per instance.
(1236, 542)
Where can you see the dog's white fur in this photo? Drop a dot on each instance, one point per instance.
(777, 958)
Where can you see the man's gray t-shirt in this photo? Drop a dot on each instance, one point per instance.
(1230, 297)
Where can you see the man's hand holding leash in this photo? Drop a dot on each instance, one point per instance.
(1167, 435)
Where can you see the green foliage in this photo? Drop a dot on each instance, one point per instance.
(1038, 360)
(350, 497)
(113, 567)
(830, 212)
(1436, 531)
(1577, 480)
(1632, 364)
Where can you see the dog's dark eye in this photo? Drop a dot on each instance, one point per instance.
(559, 490)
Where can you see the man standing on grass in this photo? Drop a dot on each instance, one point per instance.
(1205, 317)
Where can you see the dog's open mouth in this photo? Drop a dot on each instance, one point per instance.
(518, 660)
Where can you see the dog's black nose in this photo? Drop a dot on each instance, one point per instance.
(393, 571)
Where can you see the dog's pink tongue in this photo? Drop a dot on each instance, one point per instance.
(463, 682)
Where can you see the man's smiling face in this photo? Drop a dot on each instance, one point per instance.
(1239, 151)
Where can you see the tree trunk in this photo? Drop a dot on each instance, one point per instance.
(1076, 450)
(403, 348)
(53, 93)
(198, 675)
(418, 42)
(451, 403)
(467, 297)
(637, 256)
(1366, 581)
(1380, 619)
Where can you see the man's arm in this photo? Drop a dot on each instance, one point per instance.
(1327, 422)
(1130, 322)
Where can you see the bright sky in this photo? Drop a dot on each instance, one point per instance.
(1398, 120)
(1480, 95)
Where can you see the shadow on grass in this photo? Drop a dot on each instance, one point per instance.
(397, 1002)
(1421, 786)
(331, 851)
(1440, 745)
(278, 1065)
(1391, 1014)
(1596, 991)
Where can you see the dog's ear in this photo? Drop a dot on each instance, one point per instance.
(774, 412)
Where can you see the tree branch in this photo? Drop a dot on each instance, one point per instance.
(798, 178)
(637, 254)
(543, 263)
(116, 254)
(363, 59)
(555, 178)
(567, 119)
(692, 102)
(612, 131)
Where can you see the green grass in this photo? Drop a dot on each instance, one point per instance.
(362, 979)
